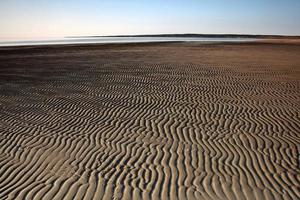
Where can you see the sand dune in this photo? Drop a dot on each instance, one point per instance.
(150, 121)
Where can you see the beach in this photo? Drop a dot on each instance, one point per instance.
(166, 120)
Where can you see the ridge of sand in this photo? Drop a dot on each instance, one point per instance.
(155, 121)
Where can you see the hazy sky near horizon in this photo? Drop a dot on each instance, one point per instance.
(57, 18)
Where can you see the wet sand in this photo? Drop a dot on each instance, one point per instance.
(150, 121)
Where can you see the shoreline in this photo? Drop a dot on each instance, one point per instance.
(151, 39)
(254, 42)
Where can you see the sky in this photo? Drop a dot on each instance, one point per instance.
(59, 18)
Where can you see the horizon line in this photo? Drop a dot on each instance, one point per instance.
(189, 35)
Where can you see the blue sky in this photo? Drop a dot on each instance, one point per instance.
(56, 18)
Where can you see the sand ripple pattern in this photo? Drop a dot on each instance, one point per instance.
(140, 131)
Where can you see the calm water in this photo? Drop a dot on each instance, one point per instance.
(107, 40)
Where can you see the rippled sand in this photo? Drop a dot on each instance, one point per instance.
(150, 121)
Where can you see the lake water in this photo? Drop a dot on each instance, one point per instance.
(110, 40)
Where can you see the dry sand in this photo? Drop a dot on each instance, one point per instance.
(150, 121)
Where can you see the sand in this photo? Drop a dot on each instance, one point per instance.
(150, 121)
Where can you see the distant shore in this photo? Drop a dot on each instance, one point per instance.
(201, 36)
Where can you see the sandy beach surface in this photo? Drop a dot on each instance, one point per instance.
(150, 121)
